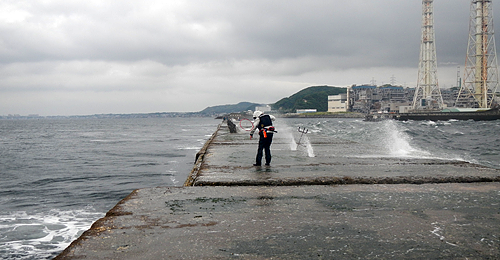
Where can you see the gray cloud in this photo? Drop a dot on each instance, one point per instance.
(57, 57)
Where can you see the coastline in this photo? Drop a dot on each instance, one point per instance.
(312, 207)
(323, 115)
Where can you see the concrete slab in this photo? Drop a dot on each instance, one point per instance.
(430, 221)
(229, 158)
(286, 211)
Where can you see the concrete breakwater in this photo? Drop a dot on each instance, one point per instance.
(302, 208)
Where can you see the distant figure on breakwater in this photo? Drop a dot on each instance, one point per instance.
(264, 123)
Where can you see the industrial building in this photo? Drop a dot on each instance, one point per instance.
(337, 103)
(366, 98)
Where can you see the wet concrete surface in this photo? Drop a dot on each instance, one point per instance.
(323, 160)
(439, 209)
(429, 221)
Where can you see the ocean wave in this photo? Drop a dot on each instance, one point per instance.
(42, 235)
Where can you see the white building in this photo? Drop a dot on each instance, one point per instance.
(301, 111)
(337, 103)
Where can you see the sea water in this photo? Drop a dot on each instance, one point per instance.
(58, 176)
(297, 138)
(469, 141)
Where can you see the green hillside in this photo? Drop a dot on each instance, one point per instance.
(225, 109)
(315, 97)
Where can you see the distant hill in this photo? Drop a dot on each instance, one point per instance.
(226, 109)
(315, 97)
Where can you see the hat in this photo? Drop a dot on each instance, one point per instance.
(257, 114)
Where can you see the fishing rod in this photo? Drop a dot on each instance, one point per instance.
(303, 131)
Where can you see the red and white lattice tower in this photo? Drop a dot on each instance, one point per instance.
(481, 68)
(427, 94)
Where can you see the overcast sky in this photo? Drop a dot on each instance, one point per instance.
(65, 57)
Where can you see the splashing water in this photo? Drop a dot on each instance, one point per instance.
(453, 140)
(304, 143)
(42, 234)
(309, 148)
(397, 142)
(294, 144)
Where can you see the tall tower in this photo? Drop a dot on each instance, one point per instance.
(427, 94)
(481, 68)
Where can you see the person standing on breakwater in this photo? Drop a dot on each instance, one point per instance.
(264, 123)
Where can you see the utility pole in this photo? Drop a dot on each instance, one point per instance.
(427, 94)
(481, 66)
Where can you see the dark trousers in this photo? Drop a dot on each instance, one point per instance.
(264, 144)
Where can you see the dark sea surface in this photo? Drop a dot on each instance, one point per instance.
(58, 176)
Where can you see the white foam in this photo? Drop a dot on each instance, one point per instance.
(293, 143)
(398, 143)
(42, 235)
(173, 180)
(285, 130)
(303, 141)
(310, 151)
(190, 148)
(430, 123)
